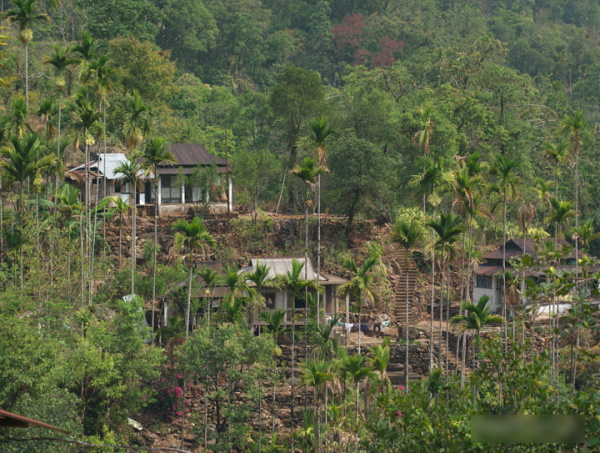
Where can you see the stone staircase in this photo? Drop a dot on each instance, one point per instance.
(454, 362)
(398, 281)
(397, 260)
(395, 373)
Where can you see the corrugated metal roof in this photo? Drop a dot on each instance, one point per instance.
(113, 161)
(192, 154)
(516, 247)
(184, 170)
(18, 421)
(488, 270)
(281, 266)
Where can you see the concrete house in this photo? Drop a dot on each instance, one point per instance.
(103, 177)
(178, 192)
(176, 195)
(277, 298)
(488, 276)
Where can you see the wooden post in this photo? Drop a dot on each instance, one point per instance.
(348, 318)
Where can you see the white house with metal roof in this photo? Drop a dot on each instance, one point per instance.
(277, 298)
(197, 181)
(105, 180)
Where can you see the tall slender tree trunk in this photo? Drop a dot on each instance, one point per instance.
(359, 324)
(189, 302)
(319, 253)
(407, 321)
(293, 376)
(468, 296)
(58, 153)
(1, 225)
(576, 353)
(432, 309)
(181, 445)
(441, 312)
(357, 404)
(133, 239)
(155, 247)
(503, 293)
(103, 108)
(27, 77)
(577, 215)
(82, 267)
(306, 307)
(448, 321)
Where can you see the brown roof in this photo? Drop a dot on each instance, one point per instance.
(519, 246)
(18, 421)
(185, 170)
(192, 154)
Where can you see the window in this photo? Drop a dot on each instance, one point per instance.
(193, 194)
(269, 301)
(300, 303)
(484, 281)
(170, 191)
(122, 188)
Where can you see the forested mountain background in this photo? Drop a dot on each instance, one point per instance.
(476, 76)
(484, 114)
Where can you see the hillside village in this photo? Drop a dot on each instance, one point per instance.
(300, 226)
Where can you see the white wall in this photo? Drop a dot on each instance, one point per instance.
(493, 293)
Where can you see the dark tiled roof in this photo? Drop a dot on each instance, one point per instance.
(517, 247)
(192, 154)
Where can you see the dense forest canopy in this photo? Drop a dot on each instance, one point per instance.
(486, 76)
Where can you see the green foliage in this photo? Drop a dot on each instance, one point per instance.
(221, 361)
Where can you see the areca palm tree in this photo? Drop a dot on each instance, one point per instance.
(468, 185)
(24, 15)
(448, 230)
(544, 188)
(236, 282)
(60, 60)
(274, 321)
(87, 48)
(85, 123)
(46, 111)
(132, 174)
(308, 173)
(357, 369)
(504, 168)
(585, 234)
(428, 186)
(476, 318)
(560, 214)
(116, 206)
(136, 124)
(211, 279)
(260, 278)
(15, 122)
(294, 284)
(422, 137)
(316, 374)
(575, 125)
(379, 361)
(321, 131)
(361, 285)
(433, 179)
(155, 154)
(191, 237)
(24, 161)
(407, 233)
